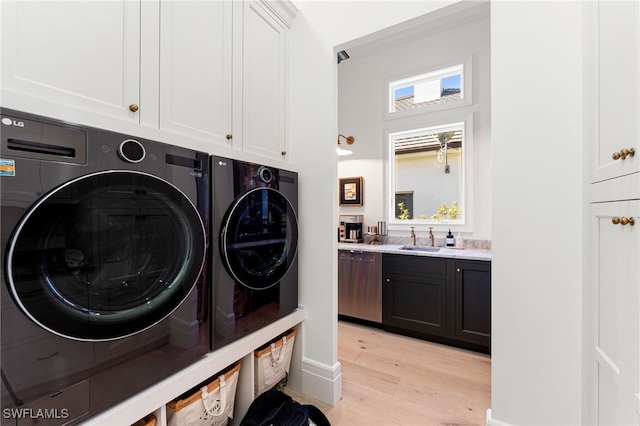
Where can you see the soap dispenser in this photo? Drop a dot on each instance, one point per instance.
(449, 240)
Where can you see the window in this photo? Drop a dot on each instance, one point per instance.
(427, 90)
(428, 174)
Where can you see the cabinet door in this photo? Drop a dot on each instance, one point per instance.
(472, 291)
(263, 83)
(614, 353)
(196, 69)
(415, 293)
(415, 303)
(612, 86)
(81, 54)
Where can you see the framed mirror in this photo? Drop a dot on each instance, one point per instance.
(428, 169)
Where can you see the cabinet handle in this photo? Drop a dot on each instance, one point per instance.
(133, 107)
(229, 136)
(457, 269)
(624, 153)
(283, 153)
(388, 280)
(623, 220)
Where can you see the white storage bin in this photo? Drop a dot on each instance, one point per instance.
(272, 362)
(211, 405)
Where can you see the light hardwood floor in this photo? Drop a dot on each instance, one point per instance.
(388, 379)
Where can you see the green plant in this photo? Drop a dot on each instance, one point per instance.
(404, 212)
(453, 212)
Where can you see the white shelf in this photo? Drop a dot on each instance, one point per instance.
(154, 398)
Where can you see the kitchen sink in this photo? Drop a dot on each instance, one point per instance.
(420, 248)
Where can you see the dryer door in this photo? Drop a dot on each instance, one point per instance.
(106, 255)
(259, 238)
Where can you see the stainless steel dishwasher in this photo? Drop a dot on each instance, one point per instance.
(360, 285)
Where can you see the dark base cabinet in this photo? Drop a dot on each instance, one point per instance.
(443, 300)
(415, 294)
(472, 298)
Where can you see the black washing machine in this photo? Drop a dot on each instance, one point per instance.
(105, 254)
(254, 242)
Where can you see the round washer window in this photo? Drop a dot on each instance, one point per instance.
(106, 255)
(259, 238)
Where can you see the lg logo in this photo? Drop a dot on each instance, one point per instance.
(9, 122)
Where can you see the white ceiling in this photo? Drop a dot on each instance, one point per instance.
(343, 22)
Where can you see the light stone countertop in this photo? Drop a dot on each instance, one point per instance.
(447, 252)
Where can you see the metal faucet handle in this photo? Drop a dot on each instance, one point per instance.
(413, 235)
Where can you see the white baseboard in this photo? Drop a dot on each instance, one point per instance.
(322, 382)
(494, 422)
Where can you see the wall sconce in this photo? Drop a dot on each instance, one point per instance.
(341, 150)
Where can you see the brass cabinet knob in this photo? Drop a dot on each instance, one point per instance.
(623, 220)
(229, 136)
(624, 153)
(388, 280)
(133, 107)
(457, 269)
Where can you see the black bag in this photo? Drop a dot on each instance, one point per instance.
(276, 408)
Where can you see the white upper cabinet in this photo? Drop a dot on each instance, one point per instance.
(613, 79)
(263, 91)
(196, 69)
(84, 54)
(212, 71)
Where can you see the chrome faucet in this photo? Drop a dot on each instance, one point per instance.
(431, 236)
(413, 236)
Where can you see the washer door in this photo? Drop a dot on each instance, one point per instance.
(106, 255)
(259, 238)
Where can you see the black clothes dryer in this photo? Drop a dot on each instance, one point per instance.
(254, 245)
(104, 265)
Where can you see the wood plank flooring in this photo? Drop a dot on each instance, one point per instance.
(388, 379)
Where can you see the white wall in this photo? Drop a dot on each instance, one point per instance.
(537, 213)
(312, 123)
(535, 192)
(318, 27)
(362, 88)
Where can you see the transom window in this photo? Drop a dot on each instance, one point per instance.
(432, 88)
